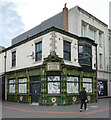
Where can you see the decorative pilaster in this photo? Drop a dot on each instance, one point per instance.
(53, 42)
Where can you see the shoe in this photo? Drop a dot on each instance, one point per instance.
(86, 109)
(80, 110)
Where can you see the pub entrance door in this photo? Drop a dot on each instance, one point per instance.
(35, 88)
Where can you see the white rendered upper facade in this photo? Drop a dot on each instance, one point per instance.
(24, 55)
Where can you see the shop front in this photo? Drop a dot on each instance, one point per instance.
(52, 83)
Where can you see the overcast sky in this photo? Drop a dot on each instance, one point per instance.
(19, 16)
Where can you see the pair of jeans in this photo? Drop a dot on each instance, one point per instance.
(85, 104)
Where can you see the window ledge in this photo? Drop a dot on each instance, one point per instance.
(68, 61)
(38, 62)
(13, 67)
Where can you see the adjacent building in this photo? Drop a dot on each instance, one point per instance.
(2, 76)
(110, 15)
(81, 23)
(110, 59)
(110, 43)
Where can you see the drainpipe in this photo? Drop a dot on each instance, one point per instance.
(65, 18)
(5, 81)
(96, 76)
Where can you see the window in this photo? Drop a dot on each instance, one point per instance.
(38, 51)
(53, 84)
(83, 31)
(13, 58)
(67, 50)
(12, 86)
(100, 60)
(100, 39)
(87, 83)
(80, 49)
(23, 85)
(72, 85)
(85, 54)
(92, 34)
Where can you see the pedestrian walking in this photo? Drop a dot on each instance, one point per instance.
(83, 98)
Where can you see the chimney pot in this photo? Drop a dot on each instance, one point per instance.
(65, 5)
(65, 18)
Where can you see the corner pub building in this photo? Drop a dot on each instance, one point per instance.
(50, 68)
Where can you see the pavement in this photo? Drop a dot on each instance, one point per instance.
(101, 109)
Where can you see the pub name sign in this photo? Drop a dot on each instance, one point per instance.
(53, 66)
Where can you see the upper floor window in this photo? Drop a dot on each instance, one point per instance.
(85, 54)
(83, 31)
(38, 51)
(100, 60)
(100, 39)
(67, 51)
(81, 50)
(92, 34)
(13, 58)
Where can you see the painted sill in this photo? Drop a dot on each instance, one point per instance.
(67, 61)
(38, 62)
(13, 67)
(11, 93)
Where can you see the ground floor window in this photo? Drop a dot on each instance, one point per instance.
(72, 84)
(12, 86)
(53, 84)
(22, 85)
(87, 83)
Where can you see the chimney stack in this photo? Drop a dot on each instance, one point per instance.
(65, 17)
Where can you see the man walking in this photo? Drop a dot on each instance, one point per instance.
(83, 98)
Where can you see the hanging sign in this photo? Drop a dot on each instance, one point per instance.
(21, 98)
(74, 99)
(53, 66)
(53, 99)
(88, 97)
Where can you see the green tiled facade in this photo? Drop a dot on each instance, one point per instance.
(46, 99)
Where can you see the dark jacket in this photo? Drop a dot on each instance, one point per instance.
(83, 95)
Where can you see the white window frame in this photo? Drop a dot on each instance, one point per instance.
(71, 83)
(83, 31)
(88, 84)
(92, 34)
(22, 85)
(52, 85)
(12, 85)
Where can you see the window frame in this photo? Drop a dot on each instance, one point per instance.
(14, 84)
(22, 84)
(83, 30)
(100, 39)
(13, 58)
(54, 82)
(86, 52)
(38, 52)
(65, 51)
(74, 82)
(100, 60)
(88, 83)
(92, 34)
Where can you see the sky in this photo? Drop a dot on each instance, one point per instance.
(18, 16)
